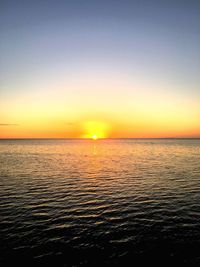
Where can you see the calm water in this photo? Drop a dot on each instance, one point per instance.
(105, 202)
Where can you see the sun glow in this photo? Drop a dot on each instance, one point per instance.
(95, 130)
(94, 137)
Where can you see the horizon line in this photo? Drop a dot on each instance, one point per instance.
(77, 138)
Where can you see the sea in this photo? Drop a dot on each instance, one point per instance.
(109, 202)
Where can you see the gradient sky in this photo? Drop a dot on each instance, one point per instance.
(111, 68)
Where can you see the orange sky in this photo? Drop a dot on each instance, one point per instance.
(117, 113)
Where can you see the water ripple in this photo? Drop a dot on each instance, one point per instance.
(84, 203)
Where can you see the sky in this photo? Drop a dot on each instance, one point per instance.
(83, 68)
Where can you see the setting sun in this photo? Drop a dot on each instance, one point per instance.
(94, 137)
(95, 130)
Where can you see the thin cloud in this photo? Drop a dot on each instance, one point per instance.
(70, 123)
(9, 124)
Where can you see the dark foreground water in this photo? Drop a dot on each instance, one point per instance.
(99, 203)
